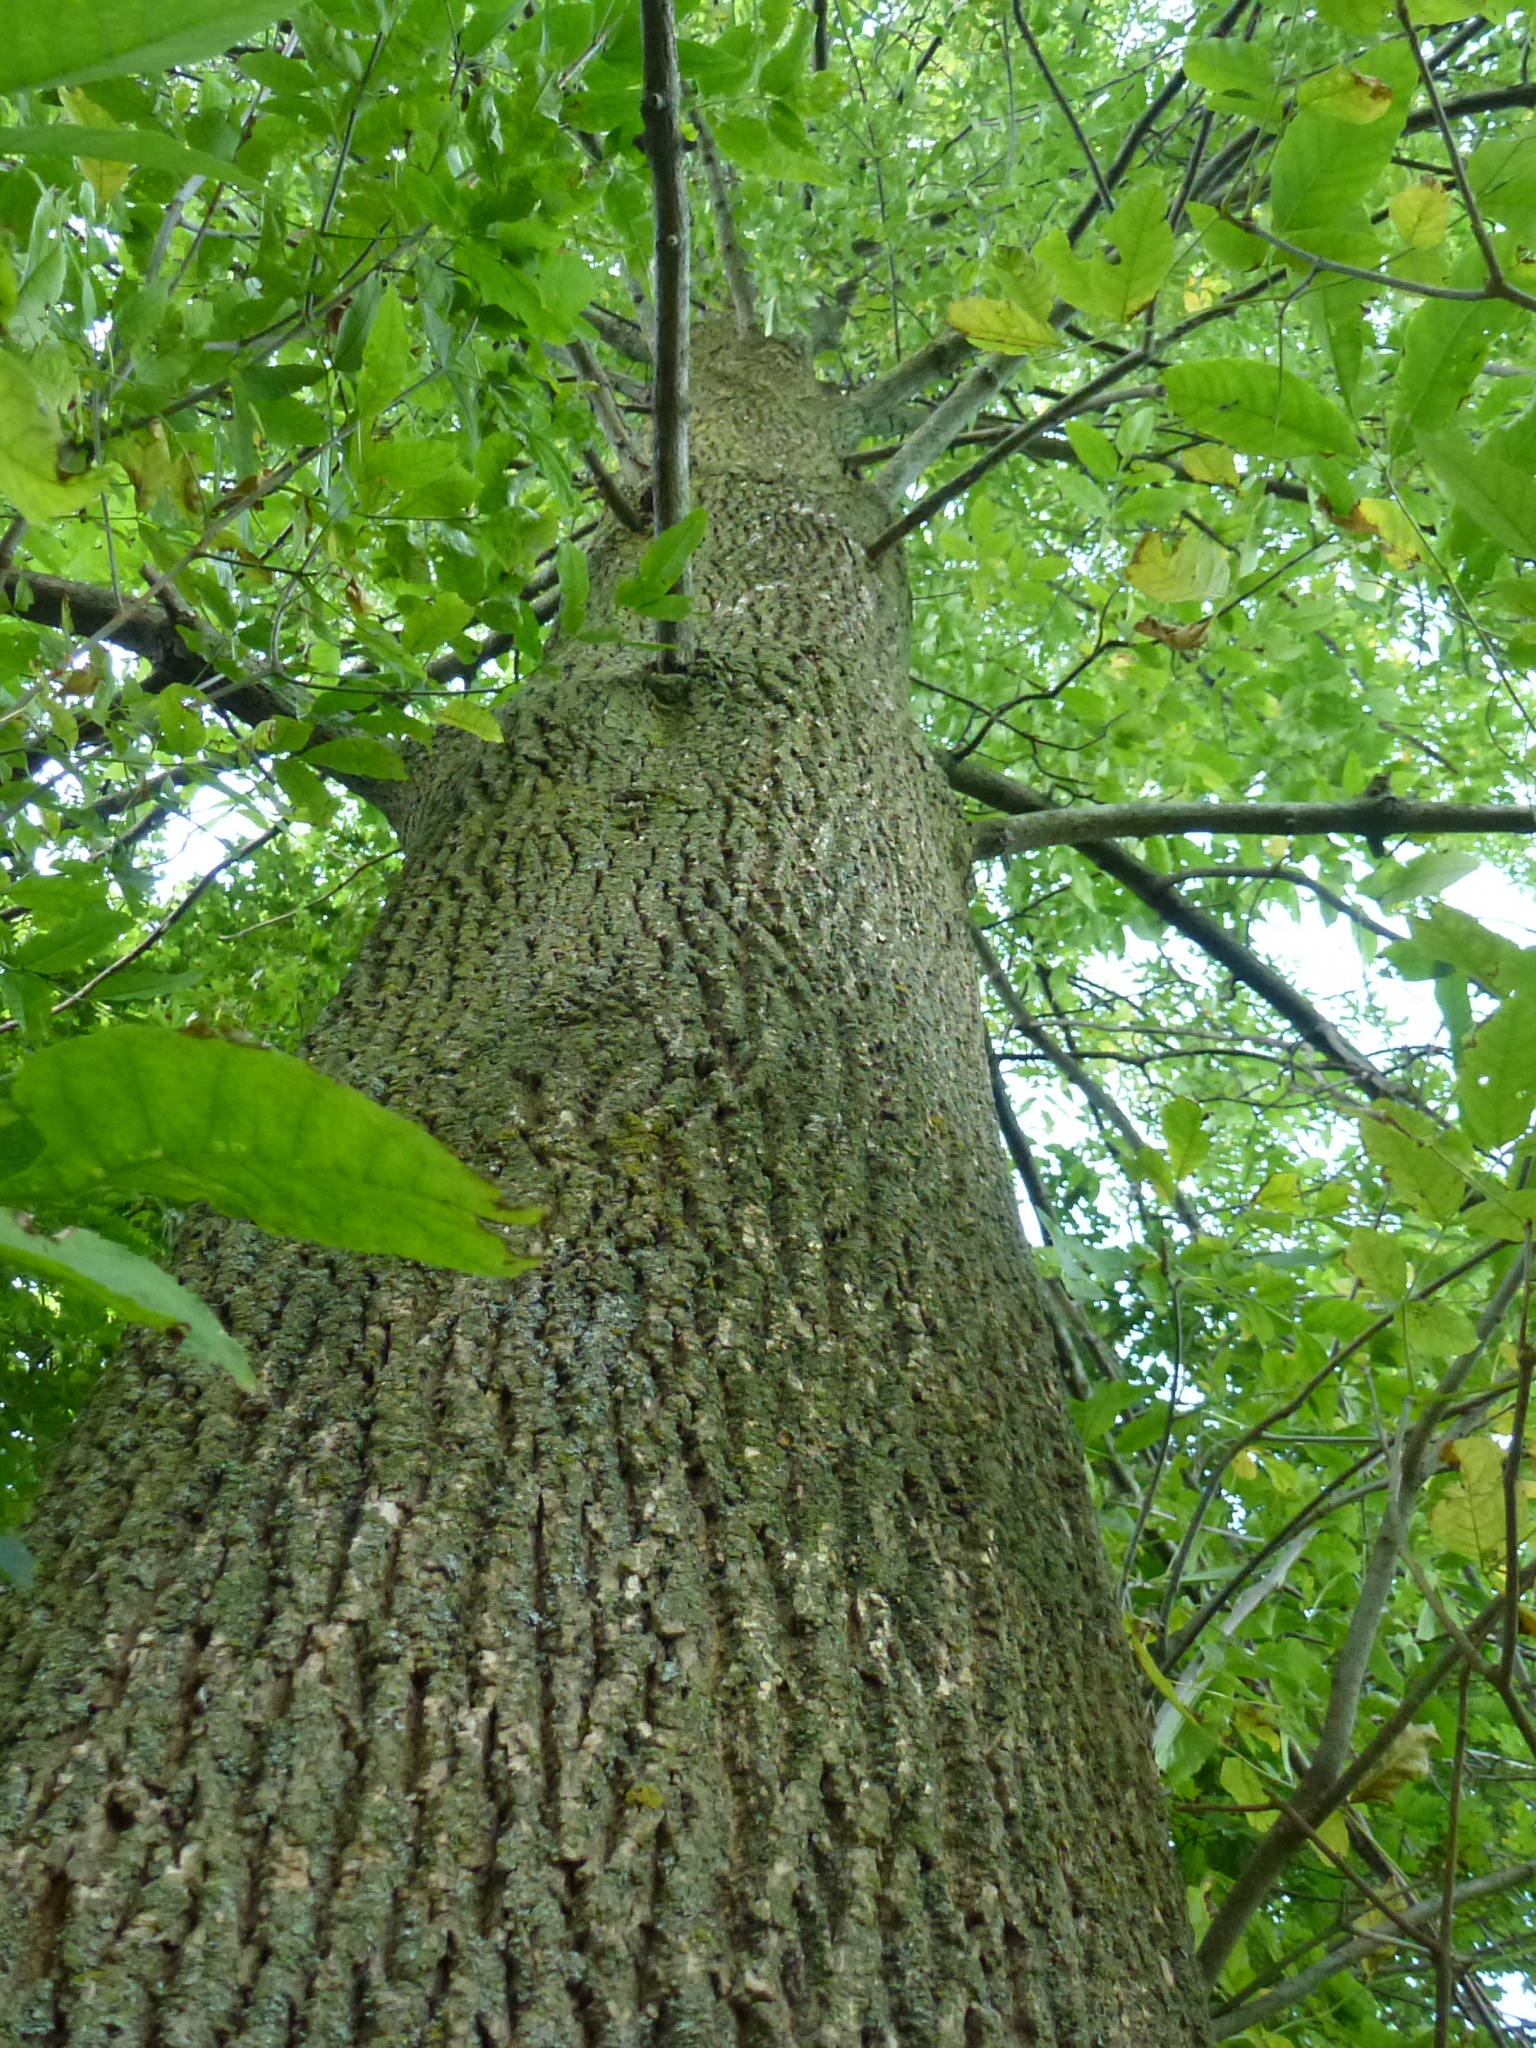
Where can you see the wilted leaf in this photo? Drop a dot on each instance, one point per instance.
(30, 447)
(1406, 1760)
(1392, 527)
(1184, 639)
(1469, 1517)
(131, 1287)
(1421, 213)
(1347, 95)
(141, 1110)
(1194, 570)
(1001, 326)
(1211, 463)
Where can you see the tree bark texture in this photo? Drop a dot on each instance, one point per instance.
(704, 1639)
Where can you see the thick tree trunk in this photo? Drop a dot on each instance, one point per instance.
(705, 1639)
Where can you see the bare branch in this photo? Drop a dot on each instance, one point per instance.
(738, 277)
(605, 408)
(1160, 893)
(950, 417)
(1380, 817)
(625, 336)
(1421, 1913)
(612, 496)
(662, 109)
(1297, 878)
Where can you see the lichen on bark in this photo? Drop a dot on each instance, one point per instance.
(704, 1639)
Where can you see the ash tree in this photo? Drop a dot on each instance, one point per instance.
(764, 832)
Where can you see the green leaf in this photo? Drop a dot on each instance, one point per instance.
(1429, 874)
(1257, 408)
(16, 1562)
(71, 945)
(1236, 77)
(1496, 1072)
(1500, 497)
(31, 444)
(1185, 1135)
(1143, 240)
(1093, 449)
(1095, 1415)
(754, 145)
(1460, 942)
(575, 585)
(1379, 1262)
(71, 42)
(141, 1110)
(357, 756)
(442, 619)
(1417, 1158)
(663, 562)
(1508, 1214)
(386, 365)
(1438, 1329)
(131, 1287)
(153, 150)
(470, 715)
(1323, 165)
(1143, 1430)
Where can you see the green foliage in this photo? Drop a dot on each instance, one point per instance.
(1281, 548)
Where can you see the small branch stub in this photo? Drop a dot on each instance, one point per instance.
(660, 104)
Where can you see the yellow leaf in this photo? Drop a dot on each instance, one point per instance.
(30, 446)
(1144, 1658)
(1257, 1723)
(106, 179)
(1392, 526)
(1247, 1788)
(1005, 329)
(147, 458)
(469, 715)
(1346, 95)
(1282, 1193)
(1421, 213)
(1022, 281)
(1194, 569)
(1407, 1759)
(1246, 1465)
(1468, 1518)
(1211, 463)
(1335, 1832)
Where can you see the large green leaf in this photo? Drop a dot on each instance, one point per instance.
(1324, 165)
(1496, 1078)
(69, 42)
(1257, 408)
(141, 1110)
(156, 152)
(1143, 243)
(1445, 344)
(130, 1286)
(1500, 497)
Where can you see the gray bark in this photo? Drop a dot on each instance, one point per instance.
(704, 1639)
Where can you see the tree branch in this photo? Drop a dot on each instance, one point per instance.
(1379, 817)
(1160, 894)
(605, 408)
(1070, 1068)
(949, 418)
(662, 109)
(611, 493)
(1065, 105)
(1289, 1994)
(877, 406)
(625, 337)
(738, 277)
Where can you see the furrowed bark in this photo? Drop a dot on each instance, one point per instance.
(704, 1639)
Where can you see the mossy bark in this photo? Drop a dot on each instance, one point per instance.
(704, 1639)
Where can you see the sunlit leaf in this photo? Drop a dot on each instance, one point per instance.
(1001, 326)
(1257, 408)
(72, 42)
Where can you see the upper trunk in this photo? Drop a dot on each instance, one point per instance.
(705, 1638)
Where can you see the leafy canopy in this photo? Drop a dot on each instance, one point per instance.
(305, 325)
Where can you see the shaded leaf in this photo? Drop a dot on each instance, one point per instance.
(1257, 408)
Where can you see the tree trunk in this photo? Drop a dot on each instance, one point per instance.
(705, 1639)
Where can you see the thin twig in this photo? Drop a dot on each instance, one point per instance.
(609, 491)
(1160, 893)
(1034, 49)
(738, 277)
(662, 109)
(606, 410)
